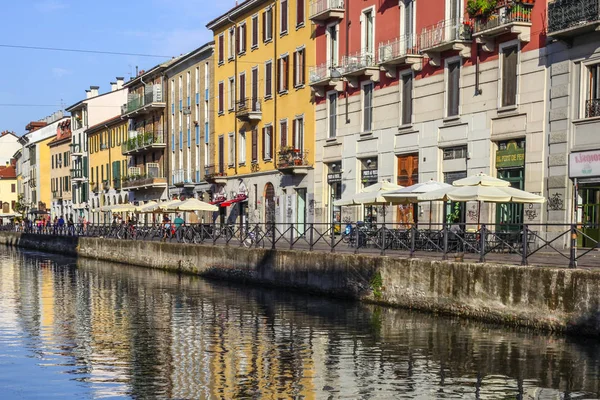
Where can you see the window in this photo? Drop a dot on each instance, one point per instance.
(13, 188)
(254, 31)
(267, 25)
(407, 98)
(592, 98)
(268, 79)
(282, 75)
(510, 58)
(299, 13)
(242, 38)
(231, 91)
(283, 12)
(242, 147)
(267, 134)
(299, 61)
(332, 114)
(453, 88)
(407, 24)
(298, 134)
(368, 33)
(254, 87)
(455, 153)
(283, 133)
(255, 145)
(332, 45)
(232, 43)
(231, 149)
(367, 107)
(221, 100)
(221, 49)
(242, 95)
(188, 87)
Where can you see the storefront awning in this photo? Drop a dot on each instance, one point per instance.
(238, 199)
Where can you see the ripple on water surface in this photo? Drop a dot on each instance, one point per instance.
(86, 329)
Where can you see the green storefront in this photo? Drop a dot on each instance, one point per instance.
(510, 165)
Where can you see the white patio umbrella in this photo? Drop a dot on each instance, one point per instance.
(147, 208)
(165, 205)
(409, 194)
(123, 208)
(193, 204)
(371, 195)
(481, 179)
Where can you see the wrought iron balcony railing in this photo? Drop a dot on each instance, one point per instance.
(592, 108)
(445, 32)
(183, 177)
(152, 94)
(325, 9)
(572, 14)
(143, 141)
(358, 61)
(249, 109)
(398, 48)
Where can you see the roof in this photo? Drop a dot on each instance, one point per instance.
(234, 12)
(8, 172)
(205, 47)
(63, 138)
(157, 69)
(109, 122)
(80, 102)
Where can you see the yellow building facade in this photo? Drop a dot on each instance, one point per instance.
(39, 168)
(8, 192)
(60, 171)
(108, 165)
(263, 113)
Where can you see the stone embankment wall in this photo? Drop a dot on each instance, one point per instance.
(548, 298)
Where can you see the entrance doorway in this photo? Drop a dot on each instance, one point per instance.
(301, 210)
(269, 203)
(589, 200)
(509, 216)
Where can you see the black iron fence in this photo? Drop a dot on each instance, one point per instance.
(547, 244)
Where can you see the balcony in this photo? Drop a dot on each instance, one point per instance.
(249, 109)
(293, 161)
(361, 64)
(106, 185)
(117, 183)
(323, 10)
(141, 104)
(452, 34)
(592, 108)
(215, 174)
(144, 182)
(509, 19)
(569, 18)
(77, 175)
(401, 51)
(57, 194)
(94, 187)
(142, 142)
(183, 178)
(76, 150)
(323, 76)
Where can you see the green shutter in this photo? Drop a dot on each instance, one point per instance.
(85, 167)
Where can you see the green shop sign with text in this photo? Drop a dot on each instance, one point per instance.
(512, 156)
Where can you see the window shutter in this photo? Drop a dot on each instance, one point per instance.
(285, 73)
(270, 24)
(296, 68)
(264, 26)
(509, 77)
(221, 46)
(237, 40)
(279, 71)
(254, 31)
(407, 99)
(294, 133)
(300, 12)
(244, 37)
(283, 134)
(303, 67)
(221, 103)
(242, 88)
(271, 141)
(284, 16)
(254, 144)
(264, 143)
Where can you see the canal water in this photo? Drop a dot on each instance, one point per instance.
(84, 329)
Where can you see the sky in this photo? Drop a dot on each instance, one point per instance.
(41, 82)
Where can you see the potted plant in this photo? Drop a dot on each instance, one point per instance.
(481, 8)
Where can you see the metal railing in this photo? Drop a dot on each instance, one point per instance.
(503, 16)
(319, 73)
(291, 157)
(320, 6)
(77, 173)
(565, 14)
(541, 244)
(131, 182)
(152, 94)
(143, 141)
(444, 32)
(214, 171)
(358, 61)
(397, 48)
(247, 105)
(592, 108)
(182, 176)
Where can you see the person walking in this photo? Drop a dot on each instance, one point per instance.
(61, 225)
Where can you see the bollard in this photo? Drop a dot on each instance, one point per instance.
(445, 231)
(311, 245)
(482, 244)
(573, 253)
(273, 235)
(524, 242)
(413, 234)
(291, 236)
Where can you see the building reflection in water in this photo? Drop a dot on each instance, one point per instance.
(118, 330)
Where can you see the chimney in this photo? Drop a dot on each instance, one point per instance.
(94, 90)
(120, 81)
(88, 94)
(113, 86)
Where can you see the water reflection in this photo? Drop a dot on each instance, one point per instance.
(90, 329)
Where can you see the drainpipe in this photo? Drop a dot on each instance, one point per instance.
(347, 4)
(478, 90)
(275, 123)
(235, 94)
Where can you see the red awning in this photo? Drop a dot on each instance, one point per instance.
(216, 202)
(238, 199)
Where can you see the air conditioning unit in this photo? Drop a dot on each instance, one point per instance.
(385, 52)
(187, 110)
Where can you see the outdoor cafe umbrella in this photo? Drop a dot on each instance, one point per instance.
(147, 208)
(481, 188)
(371, 195)
(409, 194)
(193, 204)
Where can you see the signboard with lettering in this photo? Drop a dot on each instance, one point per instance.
(369, 175)
(334, 178)
(513, 156)
(584, 164)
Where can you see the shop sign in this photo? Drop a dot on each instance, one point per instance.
(369, 175)
(334, 178)
(513, 156)
(584, 164)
